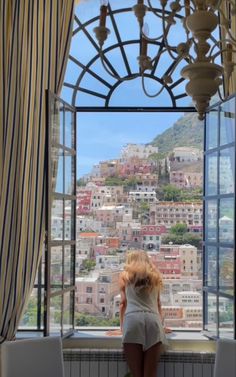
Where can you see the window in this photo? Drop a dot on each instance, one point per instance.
(219, 262)
(92, 88)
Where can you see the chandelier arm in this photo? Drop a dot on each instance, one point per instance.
(165, 33)
(151, 95)
(151, 39)
(216, 44)
(231, 38)
(220, 52)
(153, 10)
(219, 94)
(111, 73)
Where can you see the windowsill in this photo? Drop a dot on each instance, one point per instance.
(187, 341)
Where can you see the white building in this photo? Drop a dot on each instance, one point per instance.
(138, 150)
(139, 196)
(187, 154)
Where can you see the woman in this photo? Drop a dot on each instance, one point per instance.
(140, 314)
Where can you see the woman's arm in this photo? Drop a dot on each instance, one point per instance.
(123, 304)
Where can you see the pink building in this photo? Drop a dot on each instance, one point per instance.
(95, 294)
(182, 179)
(151, 236)
(83, 201)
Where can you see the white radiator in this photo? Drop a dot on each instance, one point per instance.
(111, 363)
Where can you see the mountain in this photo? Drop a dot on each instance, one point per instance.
(186, 131)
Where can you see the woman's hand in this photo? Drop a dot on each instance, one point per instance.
(167, 330)
(114, 332)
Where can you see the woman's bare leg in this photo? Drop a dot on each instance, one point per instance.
(134, 357)
(151, 359)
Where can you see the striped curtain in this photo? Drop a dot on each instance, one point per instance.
(34, 45)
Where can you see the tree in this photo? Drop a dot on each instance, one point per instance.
(83, 319)
(179, 229)
(89, 264)
(171, 193)
(179, 235)
(80, 182)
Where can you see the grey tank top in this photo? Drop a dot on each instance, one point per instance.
(141, 300)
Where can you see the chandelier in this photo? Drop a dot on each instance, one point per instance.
(199, 50)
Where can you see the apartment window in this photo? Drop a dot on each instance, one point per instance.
(219, 190)
(89, 289)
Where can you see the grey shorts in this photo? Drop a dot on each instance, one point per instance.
(143, 328)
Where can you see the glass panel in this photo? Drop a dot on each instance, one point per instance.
(211, 266)
(69, 174)
(69, 129)
(212, 129)
(57, 169)
(226, 317)
(211, 220)
(29, 320)
(56, 268)
(226, 175)
(57, 220)
(211, 313)
(226, 220)
(226, 270)
(68, 266)
(68, 311)
(55, 315)
(57, 124)
(211, 174)
(69, 220)
(227, 122)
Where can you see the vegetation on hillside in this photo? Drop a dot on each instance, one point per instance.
(179, 235)
(187, 131)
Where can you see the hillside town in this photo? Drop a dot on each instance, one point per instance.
(142, 200)
(118, 209)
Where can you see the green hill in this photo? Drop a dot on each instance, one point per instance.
(187, 131)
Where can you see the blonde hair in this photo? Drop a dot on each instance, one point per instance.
(140, 271)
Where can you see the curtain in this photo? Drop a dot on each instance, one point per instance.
(34, 45)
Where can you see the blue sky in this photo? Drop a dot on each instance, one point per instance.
(100, 136)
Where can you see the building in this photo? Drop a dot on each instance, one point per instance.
(172, 213)
(187, 154)
(141, 151)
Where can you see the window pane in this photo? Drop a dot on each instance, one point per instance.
(57, 220)
(69, 220)
(211, 313)
(69, 173)
(56, 268)
(211, 220)
(29, 320)
(226, 317)
(55, 315)
(226, 175)
(68, 265)
(212, 129)
(227, 122)
(57, 123)
(67, 311)
(69, 129)
(211, 265)
(226, 270)
(57, 169)
(211, 174)
(226, 220)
